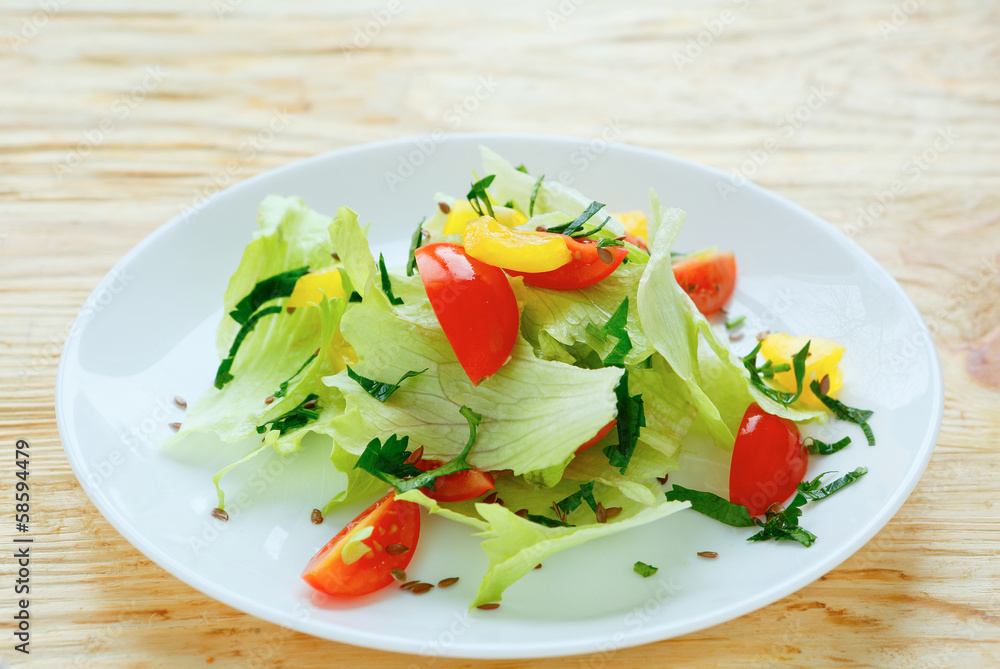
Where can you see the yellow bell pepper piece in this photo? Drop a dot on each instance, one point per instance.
(635, 223)
(310, 288)
(824, 358)
(518, 250)
(462, 214)
(340, 353)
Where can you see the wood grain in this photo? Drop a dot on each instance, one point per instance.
(114, 117)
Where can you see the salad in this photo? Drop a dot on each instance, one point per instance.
(530, 373)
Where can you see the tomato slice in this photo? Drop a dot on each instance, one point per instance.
(585, 269)
(356, 562)
(708, 279)
(474, 304)
(768, 461)
(457, 486)
(603, 432)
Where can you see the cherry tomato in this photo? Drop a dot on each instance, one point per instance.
(603, 432)
(457, 486)
(353, 564)
(588, 266)
(708, 279)
(768, 461)
(474, 304)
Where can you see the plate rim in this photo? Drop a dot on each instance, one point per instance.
(551, 648)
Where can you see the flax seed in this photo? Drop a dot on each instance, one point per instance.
(396, 549)
(316, 517)
(310, 404)
(415, 456)
(220, 514)
(761, 336)
(421, 588)
(180, 401)
(824, 385)
(289, 310)
(605, 255)
(448, 582)
(602, 514)
(708, 554)
(538, 566)
(399, 575)
(736, 336)
(268, 399)
(444, 207)
(662, 480)
(489, 607)
(408, 585)
(521, 512)
(491, 498)
(175, 426)
(612, 512)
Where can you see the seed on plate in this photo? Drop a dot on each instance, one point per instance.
(489, 607)
(538, 566)
(444, 207)
(708, 554)
(310, 404)
(408, 585)
(761, 336)
(396, 549)
(316, 517)
(180, 401)
(399, 575)
(335, 256)
(662, 480)
(491, 498)
(736, 336)
(421, 588)
(175, 426)
(775, 508)
(824, 385)
(521, 512)
(601, 513)
(268, 399)
(289, 310)
(612, 511)
(541, 228)
(220, 514)
(415, 455)
(446, 582)
(605, 255)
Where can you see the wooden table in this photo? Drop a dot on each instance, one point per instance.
(884, 118)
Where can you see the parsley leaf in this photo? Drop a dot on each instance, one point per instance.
(608, 241)
(377, 389)
(644, 570)
(784, 525)
(271, 288)
(584, 494)
(713, 506)
(616, 327)
(293, 418)
(546, 521)
(843, 412)
(817, 447)
(810, 490)
(283, 388)
(415, 243)
(388, 462)
(798, 364)
(534, 196)
(386, 283)
(631, 417)
(521, 168)
(735, 323)
(577, 223)
(479, 198)
(222, 375)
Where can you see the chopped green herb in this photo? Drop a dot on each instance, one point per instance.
(617, 328)
(546, 521)
(222, 375)
(588, 233)
(479, 198)
(577, 223)
(283, 388)
(769, 369)
(386, 283)
(843, 412)
(631, 417)
(817, 447)
(572, 502)
(415, 242)
(534, 196)
(798, 364)
(521, 168)
(735, 322)
(608, 241)
(813, 494)
(388, 462)
(293, 418)
(377, 389)
(713, 506)
(783, 526)
(271, 288)
(355, 296)
(644, 570)
(509, 204)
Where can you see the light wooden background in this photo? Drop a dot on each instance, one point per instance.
(114, 115)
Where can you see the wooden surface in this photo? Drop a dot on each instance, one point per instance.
(115, 115)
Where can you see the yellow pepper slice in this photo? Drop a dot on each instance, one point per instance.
(824, 358)
(310, 288)
(340, 353)
(635, 223)
(462, 214)
(518, 250)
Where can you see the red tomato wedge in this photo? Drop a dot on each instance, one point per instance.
(352, 564)
(708, 279)
(588, 266)
(474, 304)
(603, 432)
(768, 461)
(457, 486)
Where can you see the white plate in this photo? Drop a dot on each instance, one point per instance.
(146, 335)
